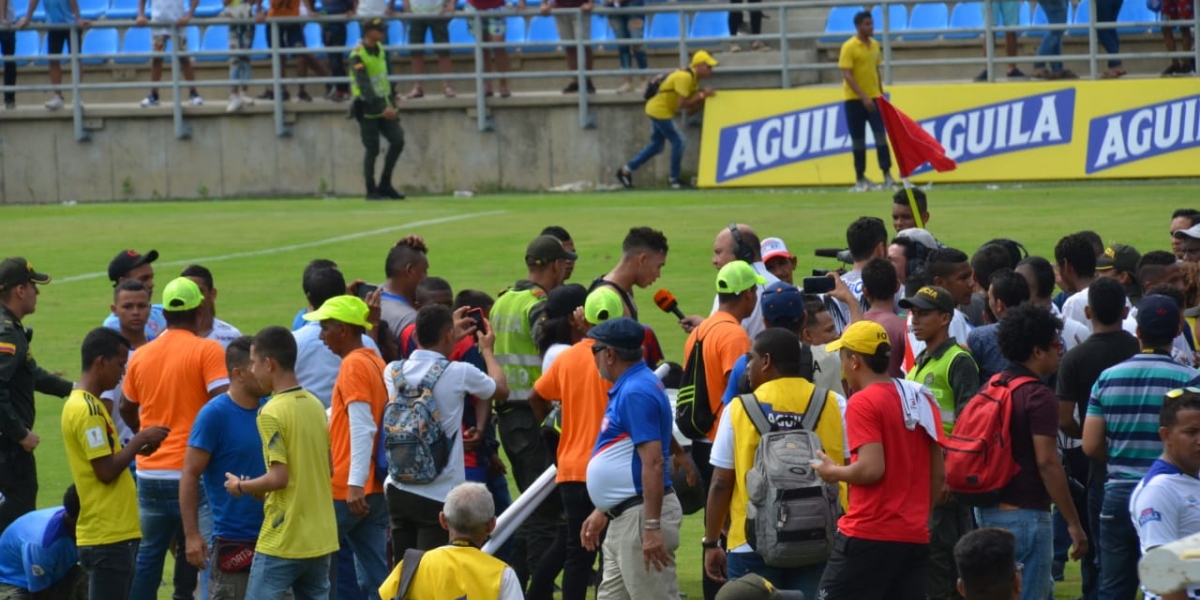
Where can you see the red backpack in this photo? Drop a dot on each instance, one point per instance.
(979, 459)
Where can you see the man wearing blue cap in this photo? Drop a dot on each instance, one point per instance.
(1125, 404)
(627, 477)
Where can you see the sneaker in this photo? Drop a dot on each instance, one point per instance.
(1066, 74)
(235, 103)
(591, 89)
(572, 88)
(195, 99)
(151, 100)
(1017, 74)
(758, 45)
(10, 106)
(734, 47)
(888, 182)
(676, 184)
(625, 177)
(269, 94)
(863, 185)
(1172, 70)
(625, 88)
(55, 103)
(303, 96)
(247, 99)
(981, 77)
(389, 192)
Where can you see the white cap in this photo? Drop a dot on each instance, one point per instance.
(920, 236)
(1191, 232)
(774, 247)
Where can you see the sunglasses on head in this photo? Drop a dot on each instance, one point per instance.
(1181, 391)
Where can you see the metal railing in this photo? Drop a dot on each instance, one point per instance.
(785, 67)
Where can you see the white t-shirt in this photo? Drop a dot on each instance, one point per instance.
(163, 11)
(754, 323)
(374, 8)
(223, 333)
(457, 381)
(552, 354)
(1074, 307)
(1165, 507)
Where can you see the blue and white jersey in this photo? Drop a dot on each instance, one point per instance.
(1165, 506)
(638, 412)
(156, 323)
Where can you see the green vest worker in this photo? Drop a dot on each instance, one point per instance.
(373, 109)
(951, 374)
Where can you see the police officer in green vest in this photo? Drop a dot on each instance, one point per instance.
(373, 109)
(516, 317)
(951, 374)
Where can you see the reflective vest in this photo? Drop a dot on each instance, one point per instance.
(451, 573)
(935, 375)
(516, 351)
(377, 70)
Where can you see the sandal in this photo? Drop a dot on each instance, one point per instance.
(1113, 73)
(449, 92)
(414, 94)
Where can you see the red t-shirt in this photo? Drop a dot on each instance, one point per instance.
(895, 508)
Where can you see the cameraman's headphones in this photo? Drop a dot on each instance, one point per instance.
(741, 251)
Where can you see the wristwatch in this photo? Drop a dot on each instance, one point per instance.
(707, 544)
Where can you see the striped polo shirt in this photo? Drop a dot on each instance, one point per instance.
(1129, 397)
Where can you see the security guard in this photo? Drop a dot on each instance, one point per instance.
(19, 377)
(374, 110)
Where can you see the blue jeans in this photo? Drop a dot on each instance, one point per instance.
(1106, 12)
(804, 579)
(1035, 545)
(630, 27)
(661, 130)
(1119, 552)
(162, 523)
(1056, 14)
(271, 576)
(366, 537)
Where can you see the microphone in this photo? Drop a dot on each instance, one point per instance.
(665, 300)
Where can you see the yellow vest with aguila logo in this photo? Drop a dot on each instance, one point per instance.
(450, 573)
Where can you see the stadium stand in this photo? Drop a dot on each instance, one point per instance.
(927, 16)
(99, 41)
(664, 30)
(542, 30)
(709, 25)
(965, 15)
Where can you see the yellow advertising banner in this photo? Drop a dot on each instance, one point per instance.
(1001, 132)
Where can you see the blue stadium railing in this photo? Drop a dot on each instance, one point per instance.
(697, 26)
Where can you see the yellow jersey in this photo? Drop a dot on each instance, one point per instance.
(108, 511)
(863, 60)
(678, 85)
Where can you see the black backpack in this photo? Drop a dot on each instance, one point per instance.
(655, 83)
(693, 409)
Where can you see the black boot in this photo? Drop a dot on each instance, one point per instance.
(373, 192)
(387, 191)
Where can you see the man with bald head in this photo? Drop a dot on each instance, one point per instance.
(738, 241)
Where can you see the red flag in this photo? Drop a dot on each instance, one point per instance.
(912, 145)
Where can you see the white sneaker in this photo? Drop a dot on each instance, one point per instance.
(863, 185)
(734, 47)
(55, 103)
(151, 100)
(196, 100)
(247, 99)
(235, 103)
(625, 88)
(888, 182)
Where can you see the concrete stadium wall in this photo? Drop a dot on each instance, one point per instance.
(133, 154)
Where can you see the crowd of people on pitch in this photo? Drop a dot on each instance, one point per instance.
(357, 454)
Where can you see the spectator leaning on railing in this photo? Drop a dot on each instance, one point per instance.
(572, 27)
(432, 18)
(8, 47)
(627, 26)
(164, 14)
(333, 35)
(66, 13)
(494, 30)
(291, 35)
(241, 37)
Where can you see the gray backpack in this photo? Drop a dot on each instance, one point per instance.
(792, 515)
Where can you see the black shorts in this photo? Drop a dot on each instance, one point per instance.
(439, 30)
(290, 36)
(57, 39)
(862, 569)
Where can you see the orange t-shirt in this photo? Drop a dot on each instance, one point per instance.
(284, 8)
(171, 379)
(574, 380)
(359, 380)
(724, 343)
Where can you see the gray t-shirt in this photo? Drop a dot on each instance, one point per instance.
(397, 313)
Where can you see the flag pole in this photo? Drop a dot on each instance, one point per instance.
(912, 202)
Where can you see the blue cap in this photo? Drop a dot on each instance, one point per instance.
(782, 301)
(623, 333)
(1158, 317)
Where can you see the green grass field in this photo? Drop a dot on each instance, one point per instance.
(257, 250)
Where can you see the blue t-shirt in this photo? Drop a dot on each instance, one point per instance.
(156, 323)
(35, 551)
(299, 321)
(731, 390)
(59, 11)
(985, 349)
(638, 412)
(230, 434)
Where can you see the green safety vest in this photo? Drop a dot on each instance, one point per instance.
(516, 351)
(377, 70)
(935, 375)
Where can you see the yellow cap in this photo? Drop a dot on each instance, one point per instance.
(863, 337)
(702, 57)
(181, 294)
(603, 304)
(350, 310)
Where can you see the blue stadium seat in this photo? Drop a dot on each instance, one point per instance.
(602, 32)
(927, 16)
(459, 34)
(210, 8)
(193, 38)
(397, 36)
(897, 18)
(28, 45)
(216, 39)
(965, 14)
(313, 37)
(122, 9)
(136, 39)
(354, 33)
(39, 13)
(542, 29)
(260, 42)
(709, 25)
(839, 25)
(99, 41)
(514, 30)
(91, 9)
(664, 28)
(1133, 12)
(1079, 16)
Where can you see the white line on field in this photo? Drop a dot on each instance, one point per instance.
(289, 248)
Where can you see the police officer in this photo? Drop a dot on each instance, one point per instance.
(374, 110)
(19, 377)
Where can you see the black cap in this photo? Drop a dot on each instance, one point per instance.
(564, 299)
(930, 297)
(546, 249)
(128, 260)
(15, 271)
(622, 333)
(377, 24)
(1120, 257)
